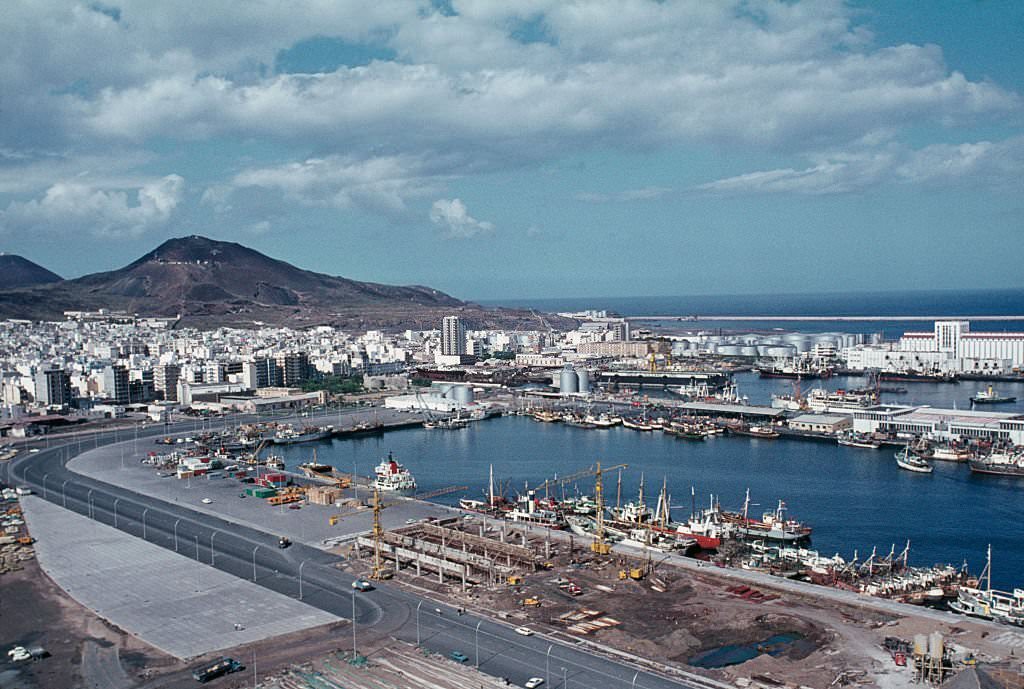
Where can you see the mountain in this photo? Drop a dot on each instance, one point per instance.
(16, 271)
(211, 283)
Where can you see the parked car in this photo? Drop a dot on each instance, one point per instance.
(458, 656)
(362, 585)
(534, 682)
(206, 501)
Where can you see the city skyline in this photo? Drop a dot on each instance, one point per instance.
(542, 150)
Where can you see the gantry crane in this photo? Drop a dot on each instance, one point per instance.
(600, 546)
(378, 572)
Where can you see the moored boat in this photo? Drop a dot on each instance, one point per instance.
(905, 459)
(990, 396)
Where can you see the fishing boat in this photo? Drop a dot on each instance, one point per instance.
(764, 432)
(530, 509)
(773, 525)
(949, 453)
(988, 603)
(1000, 463)
(857, 440)
(636, 425)
(289, 436)
(905, 459)
(393, 477)
(990, 396)
(275, 462)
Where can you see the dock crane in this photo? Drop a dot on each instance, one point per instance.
(378, 572)
(586, 473)
(600, 546)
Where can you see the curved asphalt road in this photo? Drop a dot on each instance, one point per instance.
(252, 554)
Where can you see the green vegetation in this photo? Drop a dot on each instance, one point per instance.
(336, 385)
(508, 356)
(420, 382)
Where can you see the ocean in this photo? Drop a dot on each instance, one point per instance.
(888, 305)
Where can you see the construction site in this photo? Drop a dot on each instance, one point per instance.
(692, 618)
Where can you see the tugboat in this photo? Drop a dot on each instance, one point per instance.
(905, 459)
(990, 396)
(392, 477)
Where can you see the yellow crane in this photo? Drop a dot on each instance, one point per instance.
(600, 545)
(379, 572)
(586, 473)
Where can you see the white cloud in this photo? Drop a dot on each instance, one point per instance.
(383, 184)
(455, 221)
(994, 164)
(644, 194)
(76, 206)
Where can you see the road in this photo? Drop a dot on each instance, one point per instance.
(309, 573)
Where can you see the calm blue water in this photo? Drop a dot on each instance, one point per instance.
(854, 498)
(911, 303)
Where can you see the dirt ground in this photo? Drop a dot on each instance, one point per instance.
(35, 612)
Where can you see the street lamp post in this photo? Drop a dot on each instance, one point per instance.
(92, 510)
(254, 562)
(211, 546)
(176, 521)
(634, 679)
(63, 493)
(301, 565)
(116, 500)
(44, 486)
(418, 622)
(565, 678)
(547, 666)
(353, 624)
(144, 523)
(477, 636)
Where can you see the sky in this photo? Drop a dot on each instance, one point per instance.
(528, 149)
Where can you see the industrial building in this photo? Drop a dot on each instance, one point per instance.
(940, 424)
(950, 347)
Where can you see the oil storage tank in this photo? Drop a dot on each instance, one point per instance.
(463, 394)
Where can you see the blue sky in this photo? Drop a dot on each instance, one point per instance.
(540, 148)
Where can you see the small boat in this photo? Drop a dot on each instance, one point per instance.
(858, 441)
(911, 462)
(990, 396)
(275, 462)
(755, 431)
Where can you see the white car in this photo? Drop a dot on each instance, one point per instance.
(524, 631)
(534, 682)
(207, 501)
(18, 653)
(34, 450)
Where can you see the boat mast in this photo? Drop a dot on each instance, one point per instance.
(640, 507)
(490, 488)
(618, 493)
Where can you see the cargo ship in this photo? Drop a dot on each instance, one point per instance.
(392, 477)
(910, 376)
(1001, 463)
(795, 370)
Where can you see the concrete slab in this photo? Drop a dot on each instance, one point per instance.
(178, 605)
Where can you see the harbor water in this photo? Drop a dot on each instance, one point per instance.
(856, 499)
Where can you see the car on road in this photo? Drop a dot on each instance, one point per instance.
(458, 656)
(241, 495)
(206, 501)
(362, 585)
(534, 682)
(524, 631)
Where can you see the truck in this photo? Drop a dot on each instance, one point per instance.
(218, 668)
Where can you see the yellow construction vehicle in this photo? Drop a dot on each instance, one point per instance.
(514, 580)
(532, 602)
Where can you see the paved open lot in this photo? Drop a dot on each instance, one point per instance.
(119, 465)
(178, 605)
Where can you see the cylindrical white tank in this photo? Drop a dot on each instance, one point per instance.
(463, 394)
(935, 645)
(729, 350)
(780, 351)
(568, 381)
(711, 347)
(583, 380)
(748, 350)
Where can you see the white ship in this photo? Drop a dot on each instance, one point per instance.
(393, 477)
(988, 603)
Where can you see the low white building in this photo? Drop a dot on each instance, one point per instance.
(940, 424)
